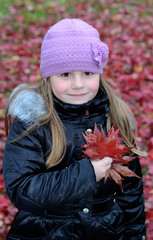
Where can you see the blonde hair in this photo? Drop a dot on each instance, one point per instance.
(120, 115)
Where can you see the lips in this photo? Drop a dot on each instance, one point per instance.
(77, 95)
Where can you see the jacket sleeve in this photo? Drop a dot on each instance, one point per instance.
(131, 201)
(30, 186)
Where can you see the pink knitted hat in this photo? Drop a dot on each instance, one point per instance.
(72, 45)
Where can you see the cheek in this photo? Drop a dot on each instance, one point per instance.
(94, 85)
(59, 87)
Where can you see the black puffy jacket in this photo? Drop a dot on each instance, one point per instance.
(65, 202)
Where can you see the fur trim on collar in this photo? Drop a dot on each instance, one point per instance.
(27, 106)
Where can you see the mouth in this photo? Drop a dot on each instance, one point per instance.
(77, 95)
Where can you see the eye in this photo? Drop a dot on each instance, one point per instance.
(67, 74)
(88, 73)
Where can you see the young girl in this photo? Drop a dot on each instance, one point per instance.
(59, 193)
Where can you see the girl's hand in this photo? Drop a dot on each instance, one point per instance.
(101, 166)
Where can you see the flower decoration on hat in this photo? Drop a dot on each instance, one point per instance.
(100, 51)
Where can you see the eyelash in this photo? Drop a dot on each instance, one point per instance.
(64, 74)
(68, 73)
(88, 73)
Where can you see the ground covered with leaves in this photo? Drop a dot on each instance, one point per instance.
(127, 28)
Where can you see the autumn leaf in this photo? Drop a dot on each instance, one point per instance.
(99, 146)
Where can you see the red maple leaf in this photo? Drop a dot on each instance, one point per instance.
(98, 146)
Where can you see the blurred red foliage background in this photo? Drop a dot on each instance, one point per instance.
(127, 28)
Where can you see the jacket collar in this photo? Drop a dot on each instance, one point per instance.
(100, 103)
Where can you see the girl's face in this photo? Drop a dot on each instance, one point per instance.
(75, 87)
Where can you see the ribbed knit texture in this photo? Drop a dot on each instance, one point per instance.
(72, 45)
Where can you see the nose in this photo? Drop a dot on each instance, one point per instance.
(77, 82)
